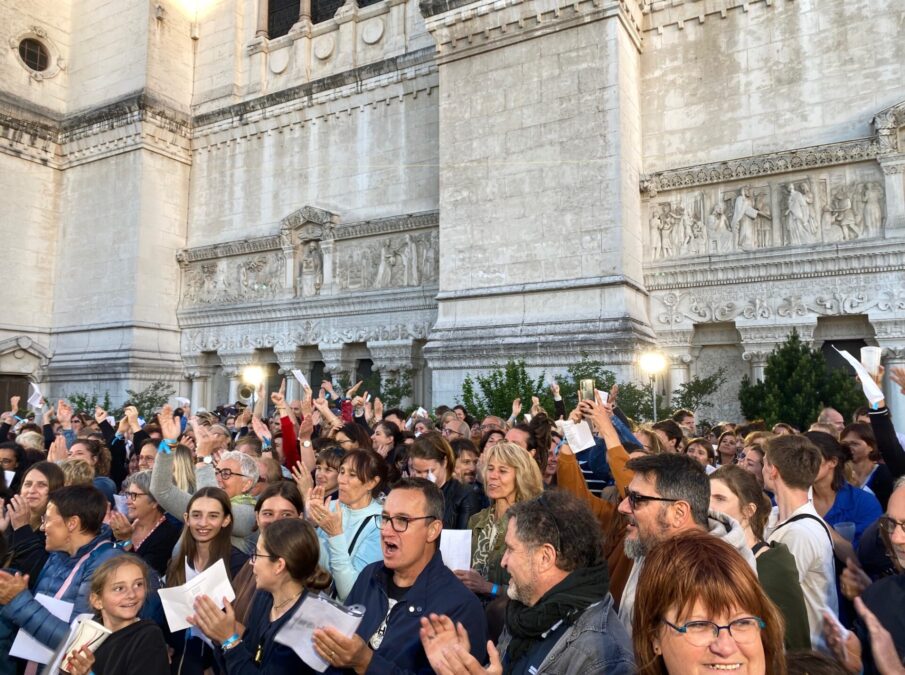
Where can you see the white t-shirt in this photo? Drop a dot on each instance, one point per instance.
(810, 543)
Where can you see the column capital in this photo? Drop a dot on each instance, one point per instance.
(336, 357)
(390, 355)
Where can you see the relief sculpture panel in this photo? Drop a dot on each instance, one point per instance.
(229, 280)
(409, 259)
(831, 206)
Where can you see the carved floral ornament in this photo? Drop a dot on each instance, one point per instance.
(690, 307)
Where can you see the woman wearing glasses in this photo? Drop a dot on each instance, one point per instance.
(146, 531)
(119, 588)
(347, 529)
(205, 539)
(431, 457)
(285, 562)
(712, 617)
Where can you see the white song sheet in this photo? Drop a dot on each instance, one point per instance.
(317, 611)
(455, 547)
(178, 603)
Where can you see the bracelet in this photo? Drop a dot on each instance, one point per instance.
(165, 446)
(266, 442)
(123, 544)
(495, 590)
(229, 642)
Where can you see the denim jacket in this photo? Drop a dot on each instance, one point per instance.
(596, 643)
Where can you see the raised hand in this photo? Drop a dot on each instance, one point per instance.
(122, 528)
(260, 429)
(14, 404)
(64, 413)
(99, 414)
(18, 512)
(355, 387)
(58, 449)
(169, 425)
(897, 375)
(516, 407)
(378, 409)
(219, 625)
(554, 388)
(131, 413)
(886, 657)
(302, 477)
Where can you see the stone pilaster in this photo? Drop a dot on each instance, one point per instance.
(337, 360)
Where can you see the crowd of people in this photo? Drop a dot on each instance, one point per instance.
(662, 548)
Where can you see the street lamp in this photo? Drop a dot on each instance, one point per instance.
(652, 364)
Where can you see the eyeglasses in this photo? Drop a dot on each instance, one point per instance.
(634, 499)
(450, 432)
(132, 496)
(7, 461)
(400, 523)
(704, 633)
(889, 525)
(255, 555)
(489, 427)
(226, 474)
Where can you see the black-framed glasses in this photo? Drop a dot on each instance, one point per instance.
(400, 523)
(450, 432)
(226, 474)
(255, 555)
(635, 498)
(704, 633)
(132, 496)
(889, 525)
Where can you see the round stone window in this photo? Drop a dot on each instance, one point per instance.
(34, 54)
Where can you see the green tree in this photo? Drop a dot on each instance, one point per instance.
(148, 400)
(86, 403)
(493, 393)
(394, 388)
(586, 369)
(797, 384)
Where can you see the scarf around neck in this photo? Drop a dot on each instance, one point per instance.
(564, 602)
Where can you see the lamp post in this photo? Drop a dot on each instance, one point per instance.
(253, 376)
(652, 364)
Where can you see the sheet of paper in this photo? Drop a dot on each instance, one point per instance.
(455, 547)
(36, 400)
(178, 602)
(578, 436)
(872, 392)
(25, 646)
(315, 612)
(297, 374)
(602, 395)
(182, 402)
(120, 502)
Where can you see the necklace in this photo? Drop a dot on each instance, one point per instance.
(277, 608)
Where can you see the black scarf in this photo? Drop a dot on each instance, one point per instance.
(566, 601)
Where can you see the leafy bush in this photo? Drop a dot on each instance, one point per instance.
(797, 384)
(493, 393)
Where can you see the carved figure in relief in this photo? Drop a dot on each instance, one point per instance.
(718, 225)
(666, 232)
(743, 215)
(872, 213)
(385, 268)
(429, 268)
(656, 234)
(763, 224)
(800, 223)
(411, 274)
(312, 270)
(842, 215)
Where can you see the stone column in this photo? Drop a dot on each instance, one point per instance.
(894, 357)
(305, 10)
(261, 30)
(288, 360)
(336, 359)
(391, 358)
(678, 370)
(232, 368)
(758, 360)
(197, 395)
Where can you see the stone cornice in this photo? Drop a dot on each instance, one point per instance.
(136, 121)
(231, 248)
(371, 76)
(802, 262)
(393, 224)
(830, 154)
(544, 287)
(391, 300)
(661, 14)
(463, 29)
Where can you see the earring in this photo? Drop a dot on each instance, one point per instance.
(657, 651)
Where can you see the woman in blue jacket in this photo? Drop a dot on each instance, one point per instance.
(72, 525)
(285, 561)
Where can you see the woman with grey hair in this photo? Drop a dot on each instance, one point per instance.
(145, 530)
(233, 472)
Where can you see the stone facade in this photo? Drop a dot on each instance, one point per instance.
(437, 187)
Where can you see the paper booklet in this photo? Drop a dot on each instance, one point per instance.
(178, 602)
(317, 611)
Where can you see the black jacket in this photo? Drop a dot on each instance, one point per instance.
(138, 649)
(461, 504)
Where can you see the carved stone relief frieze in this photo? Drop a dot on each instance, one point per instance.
(836, 205)
(229, 280)
(411, 259)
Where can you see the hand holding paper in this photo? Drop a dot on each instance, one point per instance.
(872, 392)
(179, 602)
(316, 612)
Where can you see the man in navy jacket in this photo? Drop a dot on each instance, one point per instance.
(411, 582)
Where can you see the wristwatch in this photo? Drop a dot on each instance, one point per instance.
(306, 444)
(207, 460)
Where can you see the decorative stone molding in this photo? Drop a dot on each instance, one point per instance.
(800, 262)
(462, 29)
(722, 305)
(662, 14)
(831, 154)
(391, 355)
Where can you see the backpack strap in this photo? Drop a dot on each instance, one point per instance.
(802, 516)
(364, 524)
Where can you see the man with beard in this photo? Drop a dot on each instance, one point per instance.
(880, 604)
(560, 618)
(669, 494)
